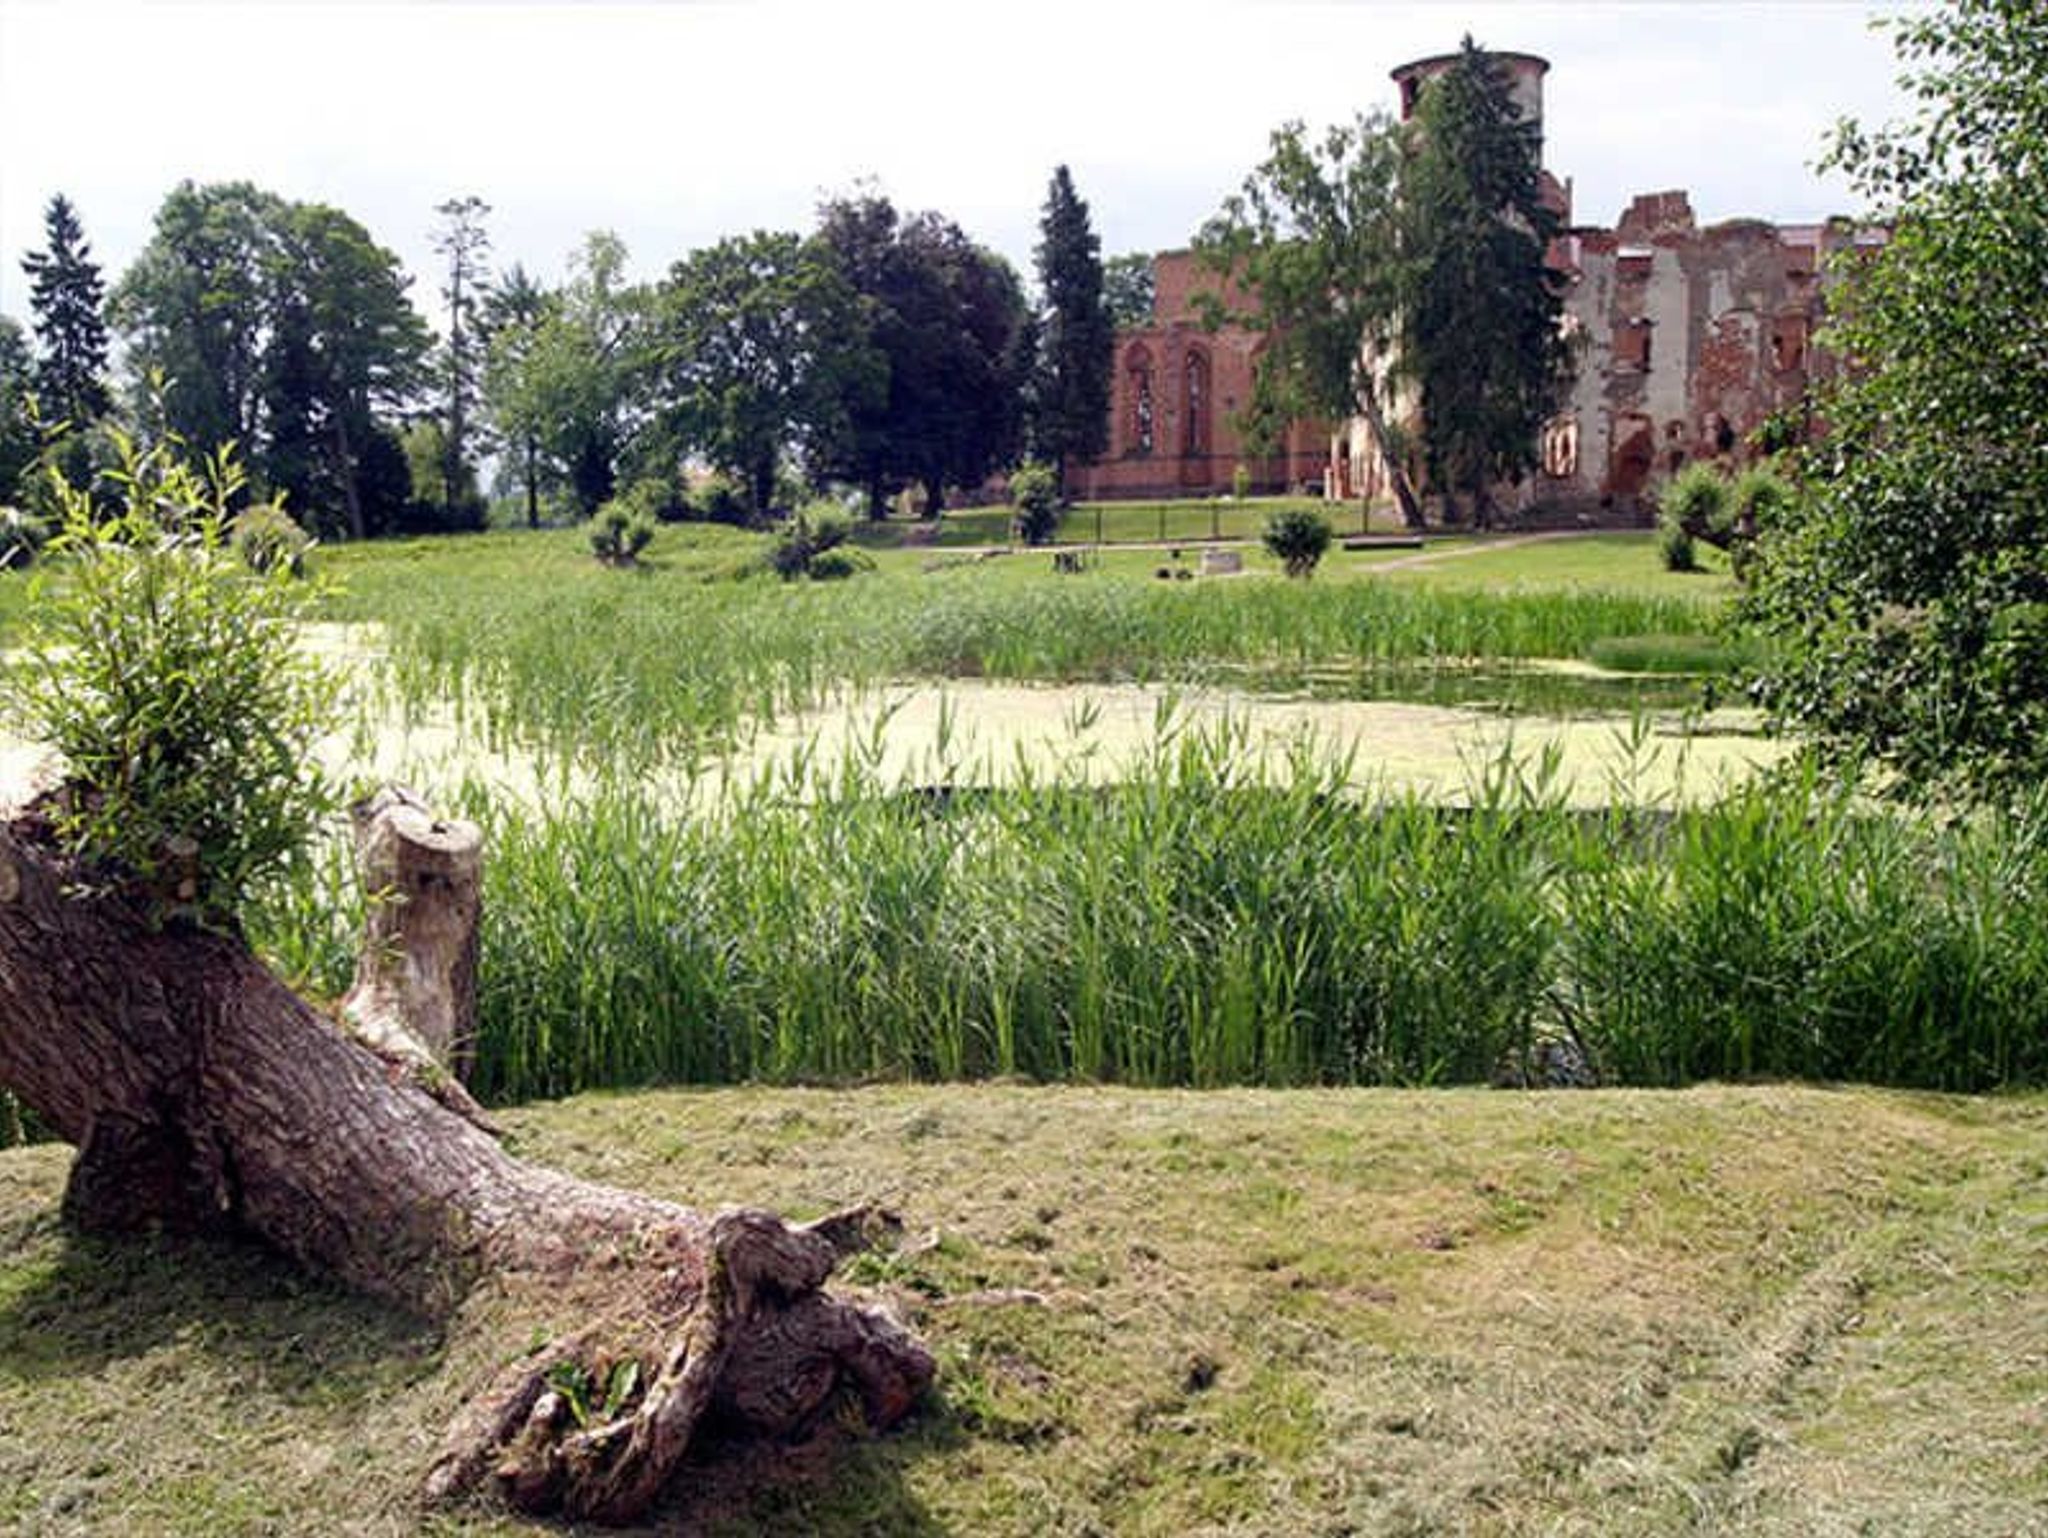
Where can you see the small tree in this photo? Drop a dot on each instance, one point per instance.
(167, 673)
(1035, 502)
(1297, 538)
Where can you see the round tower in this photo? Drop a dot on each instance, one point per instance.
(1525, 81)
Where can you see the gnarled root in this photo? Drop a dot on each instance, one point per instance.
(595, 1431)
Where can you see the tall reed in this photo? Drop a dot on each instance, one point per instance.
(1215, 919)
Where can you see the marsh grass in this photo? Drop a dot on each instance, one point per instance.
(1218, 916)
(533, 647)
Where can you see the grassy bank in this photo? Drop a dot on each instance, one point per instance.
(1773, 1311)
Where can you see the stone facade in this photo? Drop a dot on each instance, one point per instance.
(1687, 339)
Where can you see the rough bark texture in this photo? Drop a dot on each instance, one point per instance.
(201, 1092)
(415, 988)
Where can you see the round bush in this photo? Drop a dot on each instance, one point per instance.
(267, 539)
(1697, 501)
(1297, 539)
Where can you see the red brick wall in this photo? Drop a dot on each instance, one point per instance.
(1190, 457)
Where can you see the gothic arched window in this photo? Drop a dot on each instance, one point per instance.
(1138, 410)
(1195, 434)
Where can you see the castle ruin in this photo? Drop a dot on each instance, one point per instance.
(1686, 340)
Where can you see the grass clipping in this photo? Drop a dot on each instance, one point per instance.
(1778, 1310)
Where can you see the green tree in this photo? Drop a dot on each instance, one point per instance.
(192, 311)
(1905, 590)
(761, 347)
(1128, 283)
(285, 329)
(513, 316)
(464, 241)
(1312, 244)
(18, 436)
(344, 296)
(1070, 397)
(1481, 336)
(588, 370)
(67, 302)
(946, 319)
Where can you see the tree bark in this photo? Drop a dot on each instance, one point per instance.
(345, 472)
(201, 1093)
(415, 989)
(1397, 473)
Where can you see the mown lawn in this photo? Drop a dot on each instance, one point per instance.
(1764, 1310)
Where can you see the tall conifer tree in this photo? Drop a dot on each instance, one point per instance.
(1483, 343)
(67, 300)
(1077, 334)
(463, 239)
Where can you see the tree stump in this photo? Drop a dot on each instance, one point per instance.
(415, 988)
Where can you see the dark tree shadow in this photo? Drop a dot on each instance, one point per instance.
(92, 1304)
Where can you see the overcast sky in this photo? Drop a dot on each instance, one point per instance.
(675, 124)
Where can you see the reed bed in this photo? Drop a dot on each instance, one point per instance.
(1208, 923)
(663, 670)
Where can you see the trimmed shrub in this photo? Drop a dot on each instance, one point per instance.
(808, 546)
(618, 532)
(1675, 548)
(1297, 538)
(1696, 500)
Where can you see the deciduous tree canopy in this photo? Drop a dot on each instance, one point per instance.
(761, 352)
(946, 317)
(1907, 591)
(284, 328)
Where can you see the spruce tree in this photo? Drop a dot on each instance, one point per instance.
(463, 239)
(67, 301)
(1482, 339)
(1077, 334)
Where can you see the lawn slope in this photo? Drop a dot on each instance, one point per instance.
(1766, 1310)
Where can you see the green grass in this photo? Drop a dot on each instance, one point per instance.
(542, 647)
(1619, 563)
(1685, 654)
(1188, 520)
(1212, 920)
(1766, 1310)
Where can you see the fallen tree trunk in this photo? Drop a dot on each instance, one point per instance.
(201, 1093)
